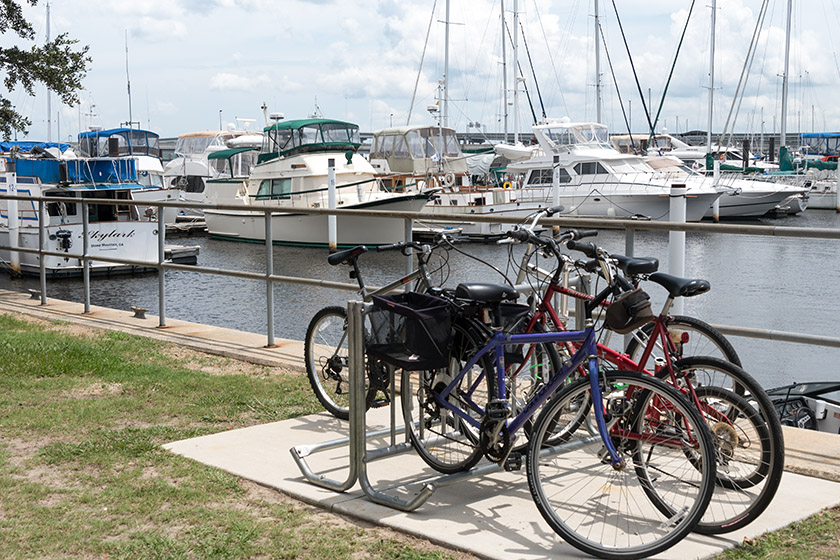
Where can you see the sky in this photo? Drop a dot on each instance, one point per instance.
(194, 64)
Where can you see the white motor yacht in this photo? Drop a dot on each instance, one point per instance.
(597, 180)
(292, 173)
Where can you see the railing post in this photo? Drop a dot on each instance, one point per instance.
(676, 239)
(332, 219)
(42, 240)
(629, 241)
(269, 270)
(85, 262)
(408, 258)
(555, 182)
(161, 258)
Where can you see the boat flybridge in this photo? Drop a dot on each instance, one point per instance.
(292, 172)
(597, 180)
(426, 155)
(142, 146)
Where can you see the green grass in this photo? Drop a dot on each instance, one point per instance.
(83, 473)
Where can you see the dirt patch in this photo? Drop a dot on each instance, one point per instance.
(319, 517)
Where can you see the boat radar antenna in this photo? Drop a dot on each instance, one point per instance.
(244, 124)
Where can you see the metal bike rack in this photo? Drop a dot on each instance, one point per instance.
(360, 455)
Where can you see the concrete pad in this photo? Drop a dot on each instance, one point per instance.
(492, 515)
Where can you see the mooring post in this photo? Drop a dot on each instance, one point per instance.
(715, 184)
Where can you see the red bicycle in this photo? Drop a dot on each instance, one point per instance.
(745, 428)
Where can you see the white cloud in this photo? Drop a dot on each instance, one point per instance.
(226, 81)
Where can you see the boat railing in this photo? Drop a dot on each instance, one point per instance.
(630, 227)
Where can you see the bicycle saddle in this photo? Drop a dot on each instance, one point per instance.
(685, 287)
(341, 257)
(486, 293)
(636, 265)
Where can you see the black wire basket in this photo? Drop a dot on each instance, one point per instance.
(410, 330)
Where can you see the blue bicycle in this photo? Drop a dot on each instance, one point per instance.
(619, 464)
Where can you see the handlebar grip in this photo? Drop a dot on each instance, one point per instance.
(554, 210)
(391, 247)
(580, 234)
(519, 234)
(586, 248)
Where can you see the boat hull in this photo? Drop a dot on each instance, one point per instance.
(602, 201)
(291, 228)
(135, 241)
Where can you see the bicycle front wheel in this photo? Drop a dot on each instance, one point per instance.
(645, 506)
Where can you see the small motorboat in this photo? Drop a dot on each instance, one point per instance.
(810, 406)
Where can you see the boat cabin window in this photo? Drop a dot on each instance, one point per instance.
(384, 146)
(60, 208)
(561, 136)
(541, 177)
(340, 133)
(274, 189)
(189, 183)
(193, 145)
(590, 168)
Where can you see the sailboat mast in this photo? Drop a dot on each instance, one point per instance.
(504, 74)
(782, 139)
(515, 71)
(597, 65)
(711, 77)
(446, 71)
(49, 97)
(128, 82)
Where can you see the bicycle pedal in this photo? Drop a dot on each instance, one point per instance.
(497, 410)
(513, 462)
(379, 403)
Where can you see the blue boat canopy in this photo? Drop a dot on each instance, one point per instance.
(24, 146)
(130, 142)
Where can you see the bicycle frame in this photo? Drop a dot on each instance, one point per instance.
(586, 353)
(621, 360)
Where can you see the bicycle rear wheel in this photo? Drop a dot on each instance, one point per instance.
(609, 512)
(445, 441)
(748, 481)
(692, 337)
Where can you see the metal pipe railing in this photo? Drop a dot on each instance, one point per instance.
(630, 227)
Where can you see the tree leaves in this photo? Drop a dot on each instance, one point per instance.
(60, 65)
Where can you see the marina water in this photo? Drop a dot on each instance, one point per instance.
(785, 284)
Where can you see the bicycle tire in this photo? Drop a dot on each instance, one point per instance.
(445, 441)
(753, 495)
(706, 341)
(579, 493)
(326, 356)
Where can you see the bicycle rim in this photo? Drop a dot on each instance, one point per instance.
(614, 513)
